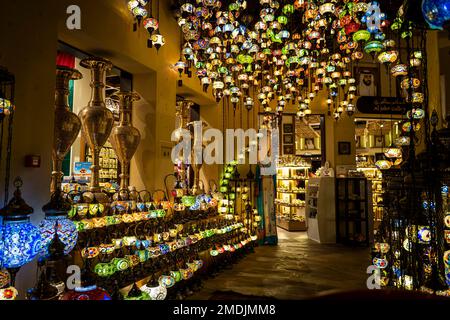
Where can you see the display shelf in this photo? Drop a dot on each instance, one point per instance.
(353, 218)
(320, 210)
(109, 163)
(375, 176)
(292, 180)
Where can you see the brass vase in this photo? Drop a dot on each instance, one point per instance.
(125, 138)
(67, 124)
(196, 186)
(97, 121)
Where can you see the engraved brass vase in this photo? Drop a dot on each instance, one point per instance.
(125, 138)
(67, 124)
(97, 121)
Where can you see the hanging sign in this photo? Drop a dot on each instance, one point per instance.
(382, 105)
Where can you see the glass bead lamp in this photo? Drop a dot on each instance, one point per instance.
(151, 24)
(436, 13)
(155, 290)
(88, 289)
(22, 240)
(136, 294)
(6, 107)
(56, 219)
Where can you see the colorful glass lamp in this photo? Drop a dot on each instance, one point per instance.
(56, 219)
(6, 107)
(436, 12)
(88, 289)
(22, 240)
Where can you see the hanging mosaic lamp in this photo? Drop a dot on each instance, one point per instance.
(22, 240)
(136, 294)
(6, 107)
(436, 13)
(56, 219)
(383, 164)
(154, 290)
(393, 152)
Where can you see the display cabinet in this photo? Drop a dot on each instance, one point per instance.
(109, 164)
(375, 177)
(320, 210)
(292, 180)
(353, 218)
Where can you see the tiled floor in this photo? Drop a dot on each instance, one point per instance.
(297, 268)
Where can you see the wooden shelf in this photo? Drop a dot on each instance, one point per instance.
(292, 225)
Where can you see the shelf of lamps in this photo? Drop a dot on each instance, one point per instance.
(134, 260)
(290, 205)
(294, 191)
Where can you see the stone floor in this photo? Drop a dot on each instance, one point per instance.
(297, 268)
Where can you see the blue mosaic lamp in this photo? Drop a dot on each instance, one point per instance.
(21, 239)
(436, 13)
(56, 220)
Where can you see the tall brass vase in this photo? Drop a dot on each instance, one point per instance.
(125, 138)
(67, 124)
(97, 121)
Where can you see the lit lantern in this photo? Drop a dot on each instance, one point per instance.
(361, 35)
(6, 107)
(56, 219)
(8, 294)
(151, 24)
(21, 240)
(436, 13)
(393, 152)
(158, 40)
(136, 294)
(388, 57)
(383, 164)
(155, 290)
(399, 70)
(373, 47)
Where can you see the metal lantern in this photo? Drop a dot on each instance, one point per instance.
(21, 240)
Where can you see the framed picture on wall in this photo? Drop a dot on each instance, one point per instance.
(367, 81)
(288, 139)
(288, 128)
(344, 148)
(309, 144)
(288, 149)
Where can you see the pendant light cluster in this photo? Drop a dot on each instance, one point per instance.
(142, 11)
(288, 52)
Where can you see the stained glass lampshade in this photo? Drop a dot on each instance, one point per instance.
(373, 47)
(151, 24)
(136, 294)
(22, 240)
(6, 107)
(388, 56)
(9, 293)
(436, 12)
(399, 70)
(56, 219)
(158, 40)
(393, 152)
(383, 164)
(155, 290)
(361, 35)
